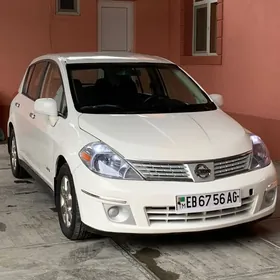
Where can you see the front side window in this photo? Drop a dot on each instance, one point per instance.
(135, 88)
(53, 88)
(36, 79)
(205, 27)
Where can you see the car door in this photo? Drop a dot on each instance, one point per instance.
(18, 109)
(28, 117)
(46, 136)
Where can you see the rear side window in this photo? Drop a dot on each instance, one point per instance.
(36, 79)
(27, 79)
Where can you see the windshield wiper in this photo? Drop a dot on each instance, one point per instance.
(102, 108)
(177, 106)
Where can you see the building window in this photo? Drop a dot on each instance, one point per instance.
(69, 7)
(205, 27)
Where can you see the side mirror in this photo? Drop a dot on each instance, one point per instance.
(218, 99)
(46, 106)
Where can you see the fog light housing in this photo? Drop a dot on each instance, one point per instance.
(119, 214)
(270, 195)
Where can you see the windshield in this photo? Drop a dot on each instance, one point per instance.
(135, 88)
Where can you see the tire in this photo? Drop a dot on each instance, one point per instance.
(67, 206)
(17, 170)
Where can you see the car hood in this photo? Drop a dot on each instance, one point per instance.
(174, 137)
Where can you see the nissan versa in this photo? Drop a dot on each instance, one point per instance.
(131, 143)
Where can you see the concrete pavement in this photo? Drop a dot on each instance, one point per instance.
(32, 246)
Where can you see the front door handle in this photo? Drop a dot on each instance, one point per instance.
(32, 116)
(17, 104)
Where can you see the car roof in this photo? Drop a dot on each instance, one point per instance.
(102, 57)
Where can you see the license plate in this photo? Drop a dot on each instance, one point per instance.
(208, 202)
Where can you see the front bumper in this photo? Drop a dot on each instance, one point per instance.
(146, 198)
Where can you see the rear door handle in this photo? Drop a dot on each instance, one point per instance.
(17, 104)
(32, 116)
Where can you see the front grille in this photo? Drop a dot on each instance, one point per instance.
(224, 167)
(230, 166)
(163, 215)
(165, 171)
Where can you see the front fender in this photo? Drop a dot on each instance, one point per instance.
(69, 148)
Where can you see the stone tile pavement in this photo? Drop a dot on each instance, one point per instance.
(32, 246)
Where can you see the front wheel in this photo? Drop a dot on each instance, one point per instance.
(67, 207)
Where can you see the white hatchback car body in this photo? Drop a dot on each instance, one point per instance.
(131, 144)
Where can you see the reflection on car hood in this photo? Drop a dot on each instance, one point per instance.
(169, 137)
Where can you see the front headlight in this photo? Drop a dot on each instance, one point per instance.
(260, 156)
(100, 159)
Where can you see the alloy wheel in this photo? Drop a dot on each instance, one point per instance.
(14, 153)
(66, 202)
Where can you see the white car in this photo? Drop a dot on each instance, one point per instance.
(130, 143)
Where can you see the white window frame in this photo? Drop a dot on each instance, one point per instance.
(196, 5)
(59, 11)
(129, 5)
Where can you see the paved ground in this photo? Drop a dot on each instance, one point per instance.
(32, 246)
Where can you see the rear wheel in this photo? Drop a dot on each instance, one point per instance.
(17, 170)
(67, 207)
